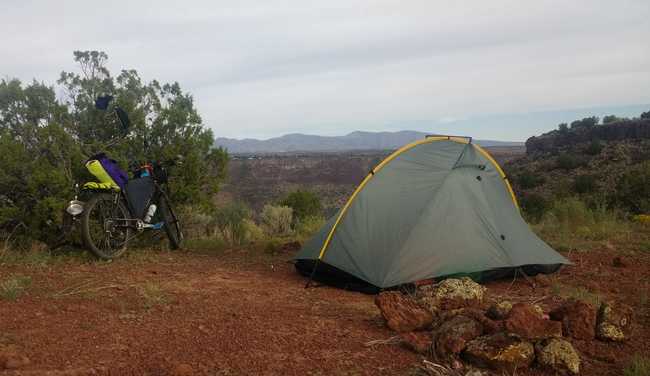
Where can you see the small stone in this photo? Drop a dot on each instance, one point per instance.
(402, 313)
(614, 320)
(619, 262)
(558, 355)
(499, 311)
(578, 319)
(501, 352)
(542, 280)
(452, 336)
(420, 342)
(525, 320)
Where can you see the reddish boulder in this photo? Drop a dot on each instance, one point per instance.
(420, 342)
(402, 314)
(501, 352)
(452, 336)
(525, 321)
(578, 319)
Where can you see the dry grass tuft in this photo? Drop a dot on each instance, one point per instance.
(12, 288)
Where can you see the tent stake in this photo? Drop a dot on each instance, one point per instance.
(311, 276)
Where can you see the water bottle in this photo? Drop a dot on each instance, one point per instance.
(150, 213)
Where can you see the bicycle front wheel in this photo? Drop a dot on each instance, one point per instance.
(172, 225)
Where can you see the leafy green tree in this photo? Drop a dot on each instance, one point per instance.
(44, 140)
(645, 115)
(563, 127)
(304, 204)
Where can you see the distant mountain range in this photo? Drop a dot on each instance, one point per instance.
(358, 140)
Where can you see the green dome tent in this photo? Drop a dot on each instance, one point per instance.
(437, 207)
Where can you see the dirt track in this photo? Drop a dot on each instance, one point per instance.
(222, 316)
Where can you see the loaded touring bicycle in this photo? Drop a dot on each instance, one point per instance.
(115, 209)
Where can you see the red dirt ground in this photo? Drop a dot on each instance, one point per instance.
(220, 316)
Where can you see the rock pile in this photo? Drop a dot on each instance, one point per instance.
(446, 322)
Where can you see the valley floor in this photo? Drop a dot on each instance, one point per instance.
(236, 313)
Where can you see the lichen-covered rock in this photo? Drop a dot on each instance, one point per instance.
(499, 311)
(525, 321)
(402, 313)
(614, 320)
(501, 352)
(558, 355)
(452, 336)
(578, 319)
(451, 294)
(420, 342)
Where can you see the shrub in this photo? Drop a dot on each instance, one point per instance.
(563, 127)
(594, 148)
(304, 203)
(584, 184)
(230, 220)
(307, 227)
(276, 220)
(534, 206)
(14, 287)
(253, 231)
(585, 123)
(612, 119)
(569, 162)
(572, 218)
(528, 180)
(645, 115)
(633, 189)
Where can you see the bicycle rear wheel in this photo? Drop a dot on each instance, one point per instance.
(104, 226)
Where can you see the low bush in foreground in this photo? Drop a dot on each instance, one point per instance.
(570, 223)
(639, 366)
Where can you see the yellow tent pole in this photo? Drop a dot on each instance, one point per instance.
(501, 173)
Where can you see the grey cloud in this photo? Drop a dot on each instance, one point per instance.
(261, 68)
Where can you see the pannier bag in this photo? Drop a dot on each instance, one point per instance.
(107, 171)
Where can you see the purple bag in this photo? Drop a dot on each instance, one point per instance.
(112, 169)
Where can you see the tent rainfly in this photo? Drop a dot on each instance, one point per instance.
(437, 207)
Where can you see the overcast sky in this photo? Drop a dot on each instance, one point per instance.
(265, 68)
